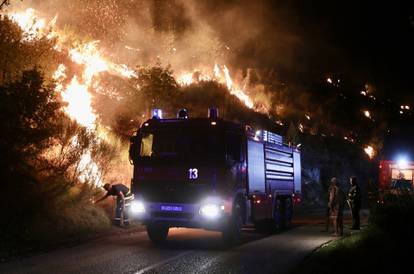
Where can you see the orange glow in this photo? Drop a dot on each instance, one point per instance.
(369, 150)
(79, 103)
(301, 128)
(222, 76)
(185, 79)
(29, 22)
(239, 93)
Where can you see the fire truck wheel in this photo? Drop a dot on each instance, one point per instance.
(288, 212)
(157, 233)
(232, 232)
(279, 220)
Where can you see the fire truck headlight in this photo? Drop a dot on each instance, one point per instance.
(210, 211)
(137, 207)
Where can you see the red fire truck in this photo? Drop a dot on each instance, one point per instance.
(396, 177)
(210, 173)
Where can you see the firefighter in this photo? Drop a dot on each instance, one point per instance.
(328, 211)
(123, 201)
(354, 202)
(336, 207)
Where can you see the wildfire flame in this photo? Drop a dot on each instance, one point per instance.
(90, 58)
(221, 75)
(79, 103)
(370, 151)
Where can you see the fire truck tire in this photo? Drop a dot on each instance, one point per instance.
(279, 219)
(157, 233)
(232, 232)
(288, 212)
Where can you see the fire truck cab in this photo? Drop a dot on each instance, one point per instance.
(396, 178)
(210, 173)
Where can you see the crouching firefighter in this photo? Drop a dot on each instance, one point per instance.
(123, 201)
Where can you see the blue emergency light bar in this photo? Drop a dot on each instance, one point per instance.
(156, 113)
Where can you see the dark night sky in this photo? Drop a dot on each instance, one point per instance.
(365, 40)
(376, 36)
(361, 41)
(371, 40)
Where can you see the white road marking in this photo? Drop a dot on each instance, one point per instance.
(209, 263)
(162, 262)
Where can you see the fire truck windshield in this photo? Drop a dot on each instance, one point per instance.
(181, 145)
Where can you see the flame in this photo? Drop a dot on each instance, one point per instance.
(79, 103)
(89, 56)
(91, 171)
(239, 93)
(222, 76)
(91, 63)
(185, 79)
(367, 114)
(217, 73)
(301, 128)
(76, 93)
(29, 22)
(369, 150)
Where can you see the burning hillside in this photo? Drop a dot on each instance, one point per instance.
(101, 44)
(87, 63)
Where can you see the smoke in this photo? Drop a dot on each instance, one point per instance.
(183, 33)
(259, 41)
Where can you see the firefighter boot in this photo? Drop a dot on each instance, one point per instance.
(117, 222)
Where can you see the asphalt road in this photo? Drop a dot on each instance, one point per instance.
(187, 251)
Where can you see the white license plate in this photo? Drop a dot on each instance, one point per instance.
(171, 208)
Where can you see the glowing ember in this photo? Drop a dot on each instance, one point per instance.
(369, 150)
(367, 114)
(301, 128)
(329, 80)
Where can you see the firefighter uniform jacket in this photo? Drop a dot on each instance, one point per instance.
(354, 196)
